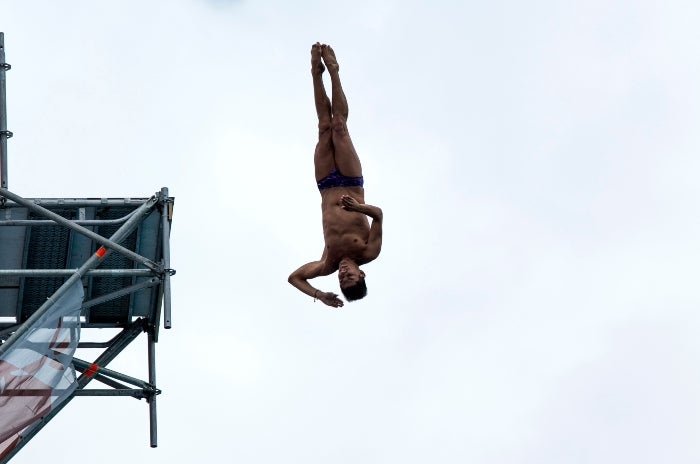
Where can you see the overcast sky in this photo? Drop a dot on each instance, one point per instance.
(536, 299)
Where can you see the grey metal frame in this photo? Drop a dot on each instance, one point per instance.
(157, 274)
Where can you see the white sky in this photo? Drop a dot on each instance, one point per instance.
(536, 298)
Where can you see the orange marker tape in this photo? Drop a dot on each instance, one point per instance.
(101, 251)
(92, 370)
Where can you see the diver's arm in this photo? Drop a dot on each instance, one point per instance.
(300, 280)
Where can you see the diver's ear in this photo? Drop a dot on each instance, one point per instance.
(362, 274)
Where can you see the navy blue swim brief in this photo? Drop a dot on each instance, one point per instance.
(336, 179)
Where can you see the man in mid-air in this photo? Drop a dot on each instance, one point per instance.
(350, 240)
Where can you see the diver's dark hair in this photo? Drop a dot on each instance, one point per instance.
(355, 292)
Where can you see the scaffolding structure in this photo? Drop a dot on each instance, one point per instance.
(118, 248)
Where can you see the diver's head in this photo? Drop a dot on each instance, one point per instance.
(351, 279)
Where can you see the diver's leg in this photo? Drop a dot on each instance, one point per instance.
(323, 103)
(346, 159)
(340, 103)
(323, 155)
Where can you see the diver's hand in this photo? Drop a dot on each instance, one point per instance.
(330, 299)
(348, 203)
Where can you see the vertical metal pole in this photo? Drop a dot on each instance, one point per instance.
(166, 258)
(152, 380)
(4, 133)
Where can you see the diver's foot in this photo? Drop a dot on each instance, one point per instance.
(329, 58)
(317, 67)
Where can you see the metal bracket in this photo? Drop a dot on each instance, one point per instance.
(5, 66)
(7, 134)
(150, 393)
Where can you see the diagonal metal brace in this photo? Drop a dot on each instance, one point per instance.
(90, 369)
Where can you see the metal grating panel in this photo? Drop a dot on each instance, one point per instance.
(115, 311)
(47, 248)
(12, 244)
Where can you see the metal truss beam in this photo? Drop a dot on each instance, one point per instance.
(105, 242)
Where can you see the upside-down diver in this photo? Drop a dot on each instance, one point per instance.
(350, 240)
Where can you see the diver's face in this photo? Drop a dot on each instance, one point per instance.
(349, 274)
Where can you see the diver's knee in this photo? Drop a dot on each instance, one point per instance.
(324, 127)
(339, 126)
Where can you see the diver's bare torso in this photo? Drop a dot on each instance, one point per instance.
(345, 233)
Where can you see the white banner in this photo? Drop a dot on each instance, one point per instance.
(37, 372)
